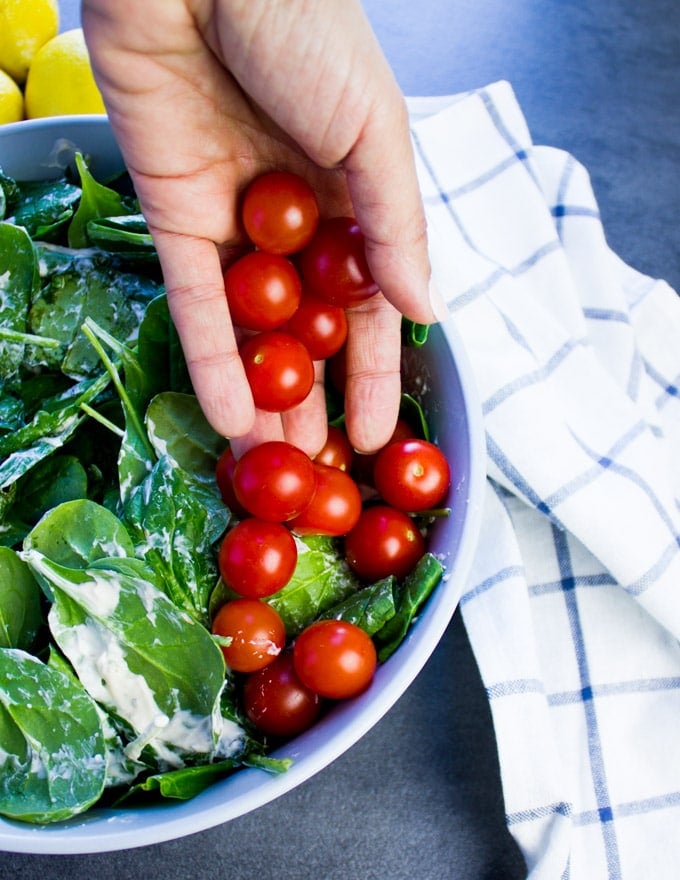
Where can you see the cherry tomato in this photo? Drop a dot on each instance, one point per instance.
(337, 450)
(412, 474)
(364, 462)
(263, 290)
(334, 658)
(280, 212)
(335, 507)
(320, 326)
(277, 702)
(257, 634)
(384, 542)
(224, 475)
(279, 370)
(334, 263)
(274, 480)
(257, 558)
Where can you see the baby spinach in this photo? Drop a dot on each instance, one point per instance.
(412, 593)
(44, 208)
(52, 740)
(148, 663)
(20, 611)
(78, 533)
(177, 428)
(175, 523)
(17, 281)
(96, 200)
(321, 579)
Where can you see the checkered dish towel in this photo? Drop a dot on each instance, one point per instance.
(573, 604)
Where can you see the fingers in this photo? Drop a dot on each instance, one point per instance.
(305, 426)
(198, 305)
(373, 387)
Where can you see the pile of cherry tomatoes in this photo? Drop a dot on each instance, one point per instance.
(293, 315)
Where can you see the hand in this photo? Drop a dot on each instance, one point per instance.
(203, 96)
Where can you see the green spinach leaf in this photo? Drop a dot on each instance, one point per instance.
(20, 611)
(147, 662)
(175, 522)
(51, 738)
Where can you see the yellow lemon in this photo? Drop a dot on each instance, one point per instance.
(60, 79)
(11, 100)
(25, 26)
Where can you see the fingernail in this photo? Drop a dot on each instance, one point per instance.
(438, 304)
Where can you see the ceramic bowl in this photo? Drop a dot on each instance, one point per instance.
(439, 371)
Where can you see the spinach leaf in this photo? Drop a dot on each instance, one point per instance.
(177, 428)
(9, 194)
(120, 770)
(49, 429)
(148, 663)
(159, 349)
(184, 783)
(413, 334)
(17, 274)
(412, 594)
(369, 608)
(96, 201)
(175, 522)
(128, 235)
(51, 739)
(20, 612)
(114, 300)
(78, 533)
(45, 207)
(321, 579)
(51, 482)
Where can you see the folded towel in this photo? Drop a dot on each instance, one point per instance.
(573, 604)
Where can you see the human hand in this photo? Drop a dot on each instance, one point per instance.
(204, 96)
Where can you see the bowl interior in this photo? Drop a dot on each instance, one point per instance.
(439, 375)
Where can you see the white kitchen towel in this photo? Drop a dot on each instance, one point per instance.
(573, 604)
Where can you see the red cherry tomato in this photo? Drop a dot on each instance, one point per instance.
(335, 507)
(280, 212)
(320, 326)
(224, 475)
(263, 290)
(279, 370)
(384, 542)
(274, 481)
(334, 658)
(277, 702)
(257, 634)
(337, 450)
(257, 558)
(364, 462)
(412, 475)
(334, 263)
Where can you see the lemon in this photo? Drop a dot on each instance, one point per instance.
(60, 79)
(25, 25)
(11, 100)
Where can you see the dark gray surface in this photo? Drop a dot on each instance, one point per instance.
(420, 794)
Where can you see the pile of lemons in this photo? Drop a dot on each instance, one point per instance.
(42, 72)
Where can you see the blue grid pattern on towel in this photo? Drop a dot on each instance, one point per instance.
(573, 605)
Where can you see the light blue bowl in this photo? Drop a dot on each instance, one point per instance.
(439, 371)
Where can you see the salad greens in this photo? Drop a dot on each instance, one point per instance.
(111, 684)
